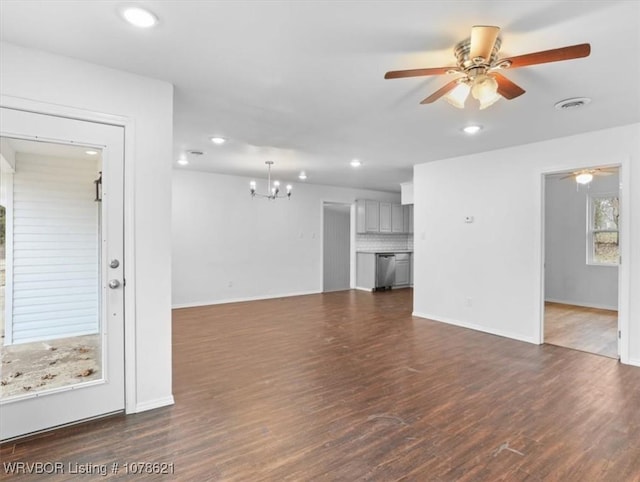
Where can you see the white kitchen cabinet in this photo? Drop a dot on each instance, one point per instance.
(397, 218)
(408, 218)
(367, 216)
(403, 269)
(385, 217)
(366, 271)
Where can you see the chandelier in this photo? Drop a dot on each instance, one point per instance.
(273, 191)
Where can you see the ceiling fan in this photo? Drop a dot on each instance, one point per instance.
(479, 65)
(585, 176)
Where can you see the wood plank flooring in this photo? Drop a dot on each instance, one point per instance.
(348, 386)
(587, 329)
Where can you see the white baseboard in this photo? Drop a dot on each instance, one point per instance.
(633, 361)
(473, 326)
(364, 289)
(195, 304)
(151, 404)
(585, 305)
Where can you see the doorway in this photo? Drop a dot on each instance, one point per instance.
(336, 247)
(62, 345)
(581, 246)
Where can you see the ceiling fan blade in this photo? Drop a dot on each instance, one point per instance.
(506, 88)
(573, 174)
(400, 74)
(602, 172)
(546, 56)
(483, 38)
(440, 92)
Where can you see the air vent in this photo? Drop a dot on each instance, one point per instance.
(573, 103)
(196, 153)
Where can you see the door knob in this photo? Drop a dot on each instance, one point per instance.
(114, 263)
(114, 283)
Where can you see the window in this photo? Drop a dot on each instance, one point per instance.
(603, 235)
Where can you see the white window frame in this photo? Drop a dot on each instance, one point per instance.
(591, 231)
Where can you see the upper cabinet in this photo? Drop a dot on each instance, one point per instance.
(367, 216)
(397, 219)
(383, 217)
(408, 218)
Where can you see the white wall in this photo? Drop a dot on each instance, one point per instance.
(222, 236)
(568, 277)
(148, 104)
(493, 264)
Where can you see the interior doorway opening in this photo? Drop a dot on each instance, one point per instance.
(581, 246)
(336, 247)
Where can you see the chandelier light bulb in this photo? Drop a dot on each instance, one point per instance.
(273, 188)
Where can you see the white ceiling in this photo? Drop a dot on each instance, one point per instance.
(301, 83)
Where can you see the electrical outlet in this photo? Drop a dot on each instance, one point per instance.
(468, 302)
(230, 284)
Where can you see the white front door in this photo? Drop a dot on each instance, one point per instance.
(63, 295)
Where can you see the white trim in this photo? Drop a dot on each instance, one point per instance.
(585, 305)
(633, 361)
(473, 326)
(128, 124)
(195, 304)
(152, 404)
(624, 271)
(370, 290)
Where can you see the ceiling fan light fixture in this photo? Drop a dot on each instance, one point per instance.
(484, 87)
(458, 96)
(488, 102)
(584, 178)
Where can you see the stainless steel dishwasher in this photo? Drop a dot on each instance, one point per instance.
(385, 270)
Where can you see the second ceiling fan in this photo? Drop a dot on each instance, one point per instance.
(478, 62)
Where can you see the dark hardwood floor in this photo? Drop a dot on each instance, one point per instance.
(348, 386)
(587, 329)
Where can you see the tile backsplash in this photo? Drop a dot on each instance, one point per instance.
(374, 242)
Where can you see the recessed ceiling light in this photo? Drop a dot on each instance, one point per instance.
(572, 103)
(218, 140)
(91, 152)
(302, 176)
(356, 163)
(471, 129)
(139, 17)
(183, 162)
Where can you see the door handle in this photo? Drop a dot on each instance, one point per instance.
(114, 283)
